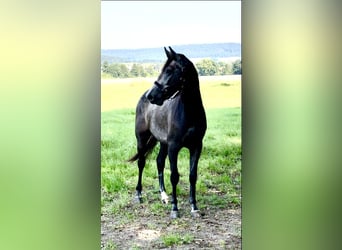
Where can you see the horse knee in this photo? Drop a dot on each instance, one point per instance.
(192, 177)
(174, 178)
(160, 163)
(141, 162)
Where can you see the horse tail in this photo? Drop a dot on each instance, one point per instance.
(151, 143)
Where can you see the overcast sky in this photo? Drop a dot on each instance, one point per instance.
(147, 24)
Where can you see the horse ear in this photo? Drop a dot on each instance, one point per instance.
(168, 54)
(174, 54)
(172, 51)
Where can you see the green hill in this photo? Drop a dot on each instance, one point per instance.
(214, 51)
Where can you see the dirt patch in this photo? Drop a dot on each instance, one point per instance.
(142, 229)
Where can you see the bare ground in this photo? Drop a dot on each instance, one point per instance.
(140, 228)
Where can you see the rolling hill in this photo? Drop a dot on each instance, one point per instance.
(213, 51)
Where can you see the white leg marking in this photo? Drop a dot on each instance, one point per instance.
(164, 197)
(195, 213)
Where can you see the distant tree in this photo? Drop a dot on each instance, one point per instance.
(224, 68)
(121, 70)
(157, 68)
(117, 70)
(105, 67)
(137, 70)
(236, 67)
(143, 72)
(207, 67)
(124, 72)
(114, 70)
(150, 71)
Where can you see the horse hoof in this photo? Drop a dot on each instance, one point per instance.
(195, 213)
(164, 198)
(174, 214)
(138, 199)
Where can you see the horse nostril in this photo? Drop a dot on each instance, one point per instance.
(149, 97)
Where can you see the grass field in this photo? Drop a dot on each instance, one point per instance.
(219, 172)
(217, 92)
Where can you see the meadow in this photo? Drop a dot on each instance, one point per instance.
(219, 172)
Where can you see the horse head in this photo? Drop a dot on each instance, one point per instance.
(171, 80)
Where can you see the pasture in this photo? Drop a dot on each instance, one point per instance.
(127, 225)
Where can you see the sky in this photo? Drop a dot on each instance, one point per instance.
(150, 24)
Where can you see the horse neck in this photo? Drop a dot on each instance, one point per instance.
(192, 94)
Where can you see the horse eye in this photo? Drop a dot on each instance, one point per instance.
(166, 88)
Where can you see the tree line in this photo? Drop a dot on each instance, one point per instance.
(208, 67)
(205, 67)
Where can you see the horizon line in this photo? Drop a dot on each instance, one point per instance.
(156, 47)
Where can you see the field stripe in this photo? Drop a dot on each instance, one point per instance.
(217, 92)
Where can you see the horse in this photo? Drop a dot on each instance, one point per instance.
(171, 112)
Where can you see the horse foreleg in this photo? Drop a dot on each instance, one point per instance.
(161, 165)
(173, 155)
(194, 158)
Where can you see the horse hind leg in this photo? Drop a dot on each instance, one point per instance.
(194, 158)
(161, 165)
(141, 165)
(146, 142)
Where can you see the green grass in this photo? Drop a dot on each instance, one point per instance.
(177, 239)
(219, 170)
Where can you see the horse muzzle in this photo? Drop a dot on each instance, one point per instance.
(155, 96)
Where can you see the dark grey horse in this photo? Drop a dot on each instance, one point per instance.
(172, 113)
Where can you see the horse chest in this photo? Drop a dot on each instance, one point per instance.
(164, 126)
(159, 132)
